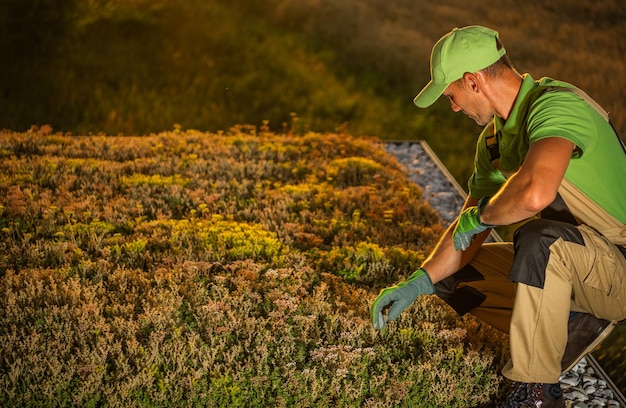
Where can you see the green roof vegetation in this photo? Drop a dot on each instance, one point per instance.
(247, 285)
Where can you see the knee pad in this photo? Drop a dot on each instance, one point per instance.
(465, 298)
(532, 242)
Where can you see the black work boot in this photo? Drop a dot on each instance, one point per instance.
(584, 333)
(534, 395)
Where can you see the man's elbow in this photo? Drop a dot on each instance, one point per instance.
(536, 200)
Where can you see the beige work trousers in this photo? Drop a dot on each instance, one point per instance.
(588, 278)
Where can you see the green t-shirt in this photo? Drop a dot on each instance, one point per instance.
(598, 165)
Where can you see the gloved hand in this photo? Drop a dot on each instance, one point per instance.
(400, 297)
(469, 225)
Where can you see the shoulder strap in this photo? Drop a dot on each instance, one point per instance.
(582, 95)
(493, 143)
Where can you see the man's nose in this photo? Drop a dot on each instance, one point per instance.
(455, 107)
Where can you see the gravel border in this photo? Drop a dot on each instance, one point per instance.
(586, 385)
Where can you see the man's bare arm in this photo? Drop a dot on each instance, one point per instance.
(444, 260)
(534, 186)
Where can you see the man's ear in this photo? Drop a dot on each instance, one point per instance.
(472, 81)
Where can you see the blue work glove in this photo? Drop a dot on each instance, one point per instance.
(400, 297)
(469, 225)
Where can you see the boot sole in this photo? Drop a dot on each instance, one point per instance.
(599, 339)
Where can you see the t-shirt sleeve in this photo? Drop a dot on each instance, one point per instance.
(562, 114)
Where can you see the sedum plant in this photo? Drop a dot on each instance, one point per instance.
(229, 269)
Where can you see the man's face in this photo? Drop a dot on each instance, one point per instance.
(463, 99)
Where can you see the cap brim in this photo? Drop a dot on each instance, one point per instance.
(431, 92)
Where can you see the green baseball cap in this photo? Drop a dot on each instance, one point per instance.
(467, 49)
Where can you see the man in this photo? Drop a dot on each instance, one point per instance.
(548, 159)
